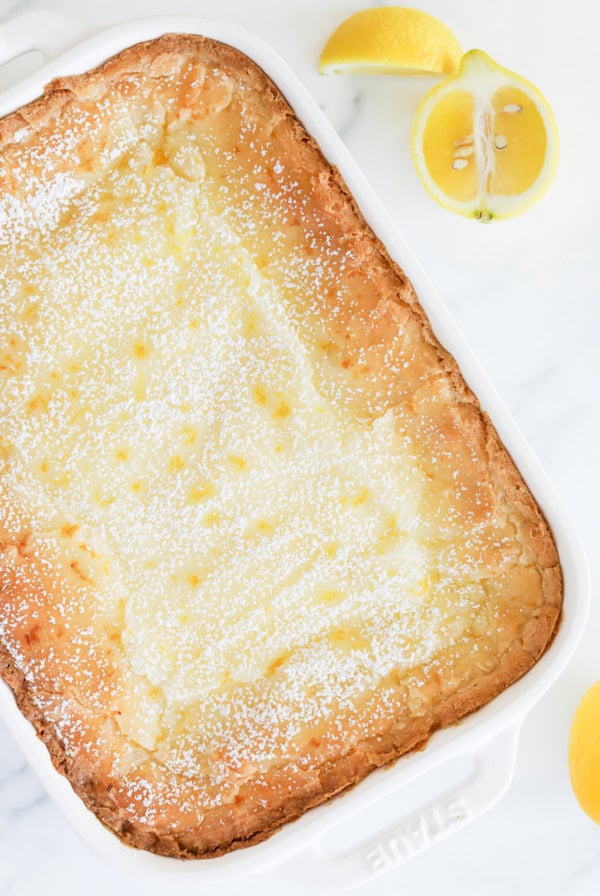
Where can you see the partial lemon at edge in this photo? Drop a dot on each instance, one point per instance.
(391, 40)
(484, 142)
(584, 753)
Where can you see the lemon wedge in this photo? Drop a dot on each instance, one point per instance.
(391, 40)
(584, 753)
(484, 142)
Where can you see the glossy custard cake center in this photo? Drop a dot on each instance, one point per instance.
(169, 428)
(253, 520)
(164, 421)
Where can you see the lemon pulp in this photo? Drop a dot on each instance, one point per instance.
(484, 142)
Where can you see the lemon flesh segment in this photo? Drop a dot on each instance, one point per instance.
(448, 146)
(520, 142)
(391, 40)
(584, 753)
(484, 142)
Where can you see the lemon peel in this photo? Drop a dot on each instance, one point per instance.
(584, 753)
(394, 40)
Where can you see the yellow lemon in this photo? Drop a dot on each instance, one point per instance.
(484, 142)
(584, 753)
(391, 40)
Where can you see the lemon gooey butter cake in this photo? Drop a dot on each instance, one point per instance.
(258, 537)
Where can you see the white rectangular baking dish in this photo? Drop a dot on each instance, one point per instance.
(389, 834)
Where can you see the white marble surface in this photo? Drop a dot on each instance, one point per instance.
(527, 295)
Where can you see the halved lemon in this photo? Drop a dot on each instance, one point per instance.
(391, 40)
(584, 753)
(484, 142)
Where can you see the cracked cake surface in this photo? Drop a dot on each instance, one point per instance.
(257, 535)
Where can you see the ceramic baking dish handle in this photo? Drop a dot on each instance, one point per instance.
(48, 32)
(493, 766)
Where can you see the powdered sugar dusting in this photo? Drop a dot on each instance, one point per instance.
(248, 548)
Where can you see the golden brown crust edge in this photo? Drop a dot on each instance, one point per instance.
(534, 530)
